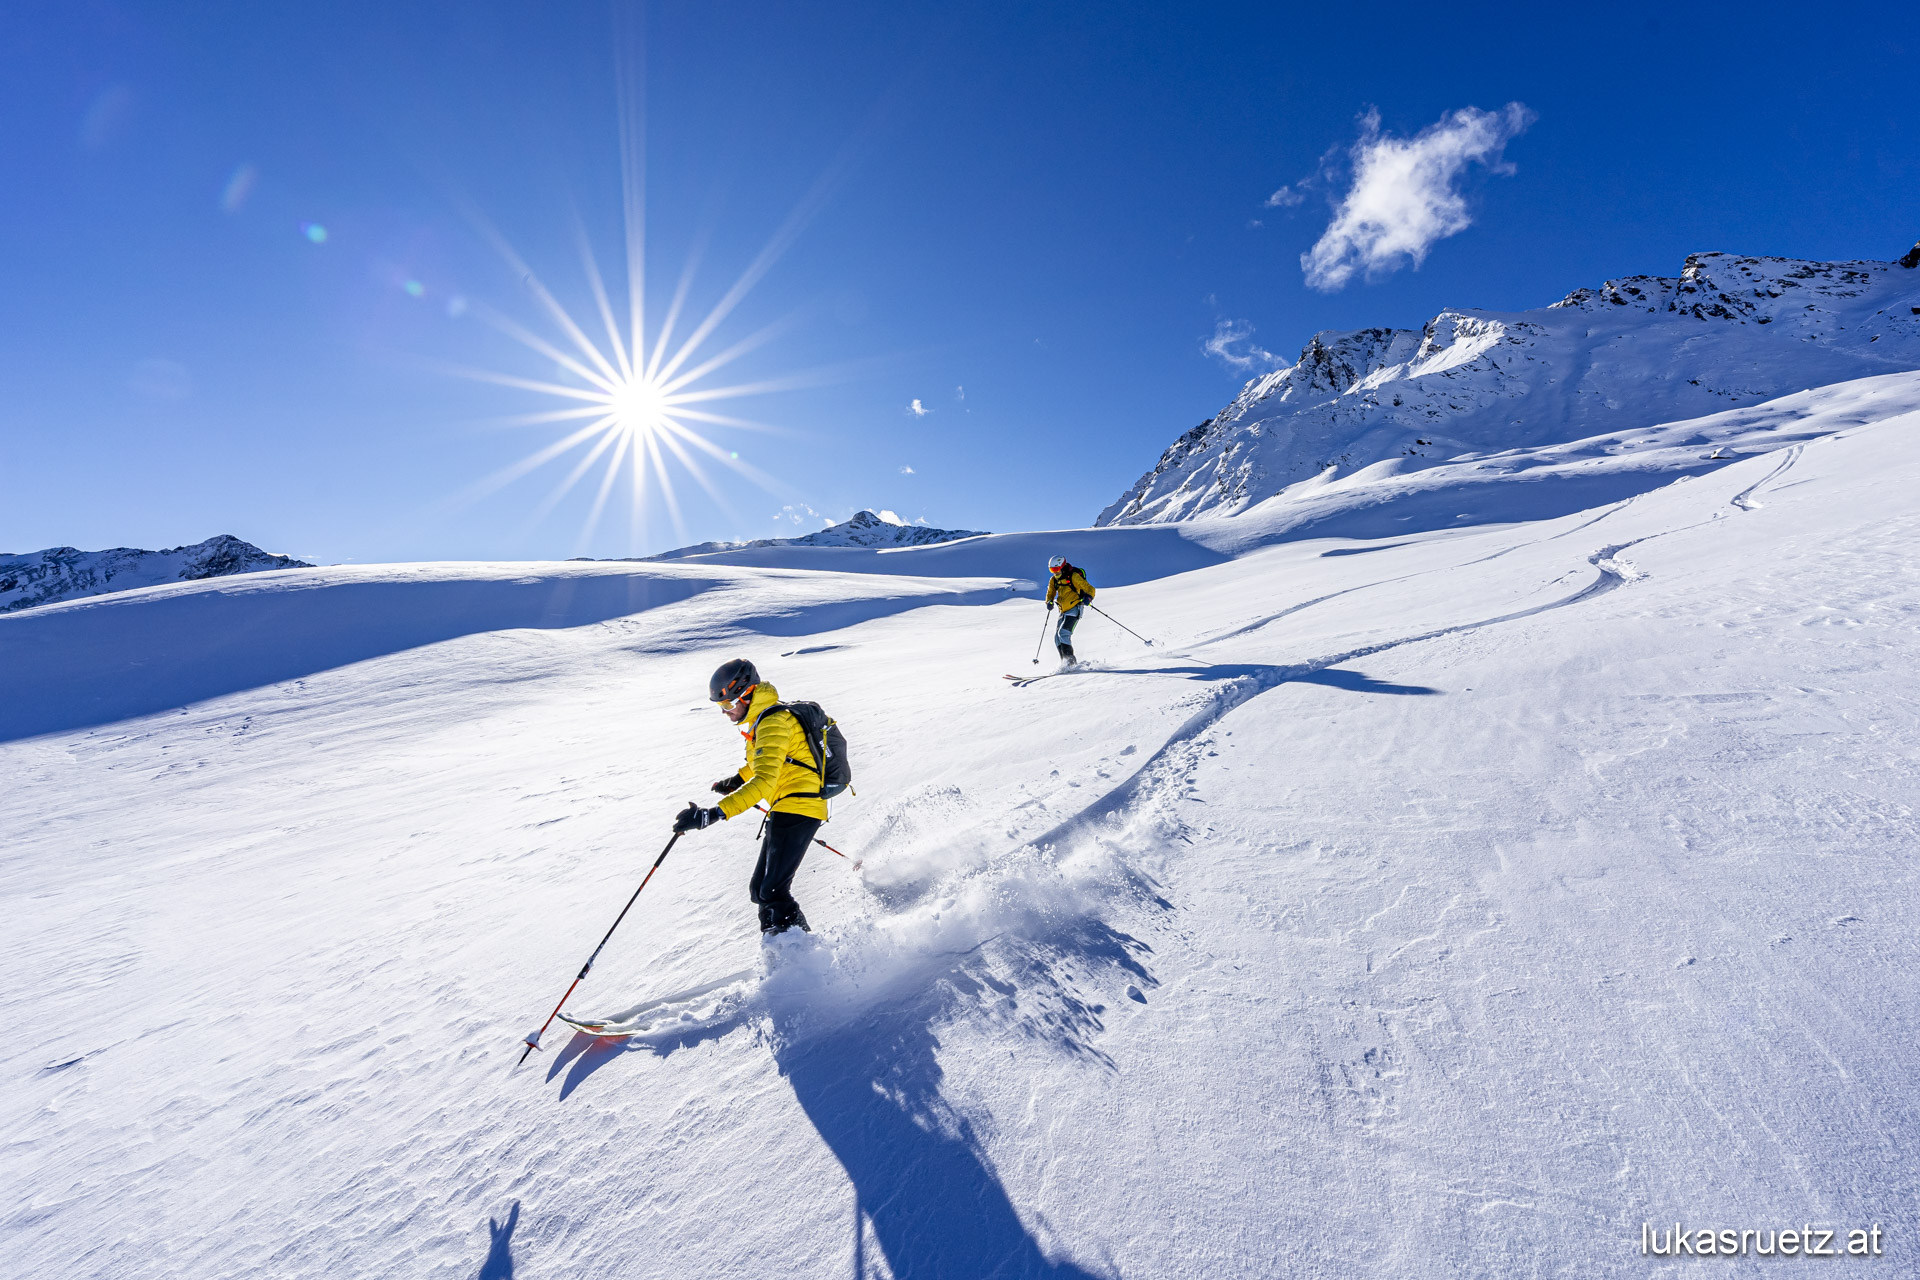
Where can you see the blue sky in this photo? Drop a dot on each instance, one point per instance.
(1031, 219)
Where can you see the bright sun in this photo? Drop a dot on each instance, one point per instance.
(636, 393)
(637, 406)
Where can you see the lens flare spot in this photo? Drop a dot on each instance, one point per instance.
(314, 232)
(414, 288)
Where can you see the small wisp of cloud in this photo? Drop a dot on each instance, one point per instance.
(906, 471)
(238, 188)
(1285, 198)
(918, 410)
(106, 116)
(1405, 195)
(1226, 345)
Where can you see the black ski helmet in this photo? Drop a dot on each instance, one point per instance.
(731, 680)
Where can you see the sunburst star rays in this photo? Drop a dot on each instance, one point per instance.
(638, 392)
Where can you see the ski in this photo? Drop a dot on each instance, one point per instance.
(592, 1026)
(1045, 675)
(610, 1029)
(645, 1015)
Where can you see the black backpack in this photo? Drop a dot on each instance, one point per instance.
(826, 742)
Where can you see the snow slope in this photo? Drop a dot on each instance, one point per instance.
(64, 573)
(1727, 331)
(1428, 905)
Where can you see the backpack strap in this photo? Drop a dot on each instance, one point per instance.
(817, 768)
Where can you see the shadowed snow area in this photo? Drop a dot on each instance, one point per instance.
(1431, 900)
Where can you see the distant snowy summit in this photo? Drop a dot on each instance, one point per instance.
(64, 573)
(862, 529)
(1727, 331)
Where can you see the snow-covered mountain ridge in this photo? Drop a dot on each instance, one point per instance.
(66, 573)
(1727, 331)
(864, 528)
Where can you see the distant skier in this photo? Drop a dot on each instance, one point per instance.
(1070, 587)
(780, 769)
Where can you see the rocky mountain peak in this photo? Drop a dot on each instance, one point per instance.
(1631, 352)
(66, 573)
(864, 528)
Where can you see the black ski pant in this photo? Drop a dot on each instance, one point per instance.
(787, 838)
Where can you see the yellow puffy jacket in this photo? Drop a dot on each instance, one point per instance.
(779, 762)
(1071, 587)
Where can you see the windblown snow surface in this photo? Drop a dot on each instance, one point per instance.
(1434, 899)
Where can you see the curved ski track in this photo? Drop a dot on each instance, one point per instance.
(1157, 775)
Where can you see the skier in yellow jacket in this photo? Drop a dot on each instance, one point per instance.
(779, 769)
(1069, 586)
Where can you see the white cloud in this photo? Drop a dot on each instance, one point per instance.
(918, 410)
(1229, 334)
(889, 516)
(1405, 194)
(959, 393)
(906, 471)
(1285, 198)
(798, 513)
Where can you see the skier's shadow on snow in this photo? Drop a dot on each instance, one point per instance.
(498, 1264)
(1360, 682)
(1270, 676)
(585, 1054)
(925, 1195)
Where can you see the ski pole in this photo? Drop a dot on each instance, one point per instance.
(1123, 626)
(1044, 623)
(533, 1041)
(817, 840)
(830, 849)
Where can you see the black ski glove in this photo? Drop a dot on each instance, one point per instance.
(729, 784)
(694, 818)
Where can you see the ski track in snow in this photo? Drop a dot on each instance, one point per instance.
(1744, 499)
(1232, 963)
